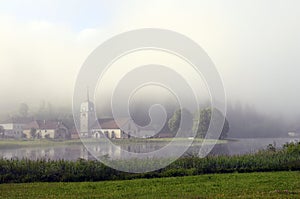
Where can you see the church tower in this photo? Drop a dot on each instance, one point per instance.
(87, 117)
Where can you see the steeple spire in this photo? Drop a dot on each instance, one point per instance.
(87, 94)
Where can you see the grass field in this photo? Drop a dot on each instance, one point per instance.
(244, 185)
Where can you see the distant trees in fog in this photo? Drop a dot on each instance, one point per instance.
(203, 118)
(246, 122)
(23, 109)
(200, 122)
(44, 111)
(175, 120)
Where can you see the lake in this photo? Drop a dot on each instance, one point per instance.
(74, 152)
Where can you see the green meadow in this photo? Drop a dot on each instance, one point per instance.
(244, 185)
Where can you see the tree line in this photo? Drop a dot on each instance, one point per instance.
(184, 120)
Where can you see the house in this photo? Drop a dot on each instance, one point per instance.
(46, 129)
(119, 129)
(74, 133)
(13, 127)
(110, 128)
(293, 134)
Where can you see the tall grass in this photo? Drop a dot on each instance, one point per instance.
(25, 170)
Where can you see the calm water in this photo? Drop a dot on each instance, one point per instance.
(73, 152)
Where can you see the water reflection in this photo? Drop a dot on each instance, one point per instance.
(74, 152)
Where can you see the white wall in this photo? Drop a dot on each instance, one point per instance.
(13, 130)
(108, 132)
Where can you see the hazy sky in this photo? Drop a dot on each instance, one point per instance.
(254, 44)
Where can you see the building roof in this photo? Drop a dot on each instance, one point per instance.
(44, 124)
(73, 130)
(109, 123)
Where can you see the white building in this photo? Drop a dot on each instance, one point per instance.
(293, 134)
(87, 117)
(111, 128)
(13, 127)
(47, 129)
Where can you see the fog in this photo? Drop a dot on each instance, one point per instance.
(254, 45)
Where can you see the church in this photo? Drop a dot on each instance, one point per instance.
(91, 127)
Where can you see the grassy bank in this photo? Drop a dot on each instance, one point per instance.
(246, 185)
(9, 144)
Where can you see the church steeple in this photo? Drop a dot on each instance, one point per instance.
(87, 94)
(87, 115)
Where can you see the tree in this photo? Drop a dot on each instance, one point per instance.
(23, 135)
(33, 132)
(186, 123)
(202, 121)
(174, 121)
(23, 109)
(2, 131)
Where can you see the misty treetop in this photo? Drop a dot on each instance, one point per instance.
(202, 121)
(199, 123)
(245, 120)
(23, 109)
(175, 121)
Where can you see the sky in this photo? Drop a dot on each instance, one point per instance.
(254, 44)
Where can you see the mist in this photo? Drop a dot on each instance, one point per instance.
(254, 46)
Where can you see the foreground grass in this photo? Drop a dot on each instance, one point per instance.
(245, 185)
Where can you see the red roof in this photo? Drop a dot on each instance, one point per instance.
(109, 123)
(44, 124)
